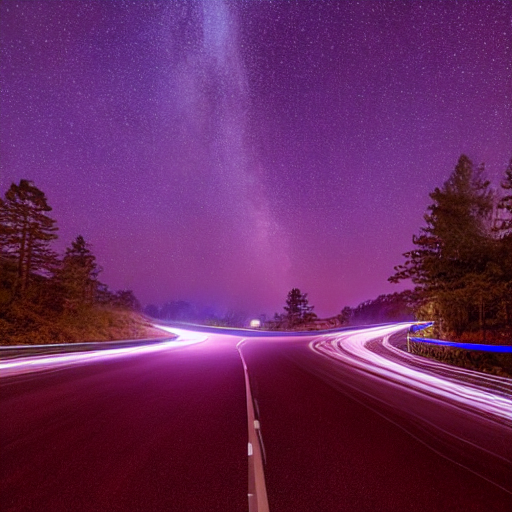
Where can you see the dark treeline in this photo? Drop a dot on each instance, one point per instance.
(46, 298)
(394, 307)
(461, 265)
(298, 313)
(184, 311)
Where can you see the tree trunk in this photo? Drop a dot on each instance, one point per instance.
(21, 260)
(482, 318)
(28, 263)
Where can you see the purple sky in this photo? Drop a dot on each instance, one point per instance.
(225, 152)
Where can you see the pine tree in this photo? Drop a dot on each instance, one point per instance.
(26, 232)
(504, 223)
(455, 244)
(297, 308)
(503, 226)
(78, 275)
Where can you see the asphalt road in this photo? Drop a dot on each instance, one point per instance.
(342, 438)
(159, 431)
(347, 424)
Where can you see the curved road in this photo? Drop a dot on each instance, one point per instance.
(343, 421)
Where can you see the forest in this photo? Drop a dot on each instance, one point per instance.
(461, 264)
(45, 298)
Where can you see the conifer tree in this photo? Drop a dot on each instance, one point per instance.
(26, 232)
(504, 223)
(297, 308)
(126, 299)
(78, 275)
(503, 227)
(454, 245)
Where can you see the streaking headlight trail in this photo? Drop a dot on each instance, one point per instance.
(358, 350)
(37, 363)
(463, 415)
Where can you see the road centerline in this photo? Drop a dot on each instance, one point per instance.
(257, 494)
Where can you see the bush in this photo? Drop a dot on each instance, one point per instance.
(489, 362)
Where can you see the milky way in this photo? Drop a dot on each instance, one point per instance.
(225, 152)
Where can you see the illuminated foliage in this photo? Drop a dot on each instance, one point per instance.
(454, 265)
(462, 272)
(504, 253)
(43, 299)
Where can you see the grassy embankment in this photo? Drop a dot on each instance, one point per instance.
(24, 326)
(488, 362)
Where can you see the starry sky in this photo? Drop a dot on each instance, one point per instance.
(223, 152)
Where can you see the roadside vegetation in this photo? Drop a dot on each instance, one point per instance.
(45, 298)
(298, 313)
(487, 362)
(461, 269)
(461, 265)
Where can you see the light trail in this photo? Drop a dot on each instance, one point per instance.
(38, 363)
(498, 384)
(353, 348)
(464, 416)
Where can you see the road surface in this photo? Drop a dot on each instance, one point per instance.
(343, 421)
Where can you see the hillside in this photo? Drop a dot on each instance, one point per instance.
(24, 326)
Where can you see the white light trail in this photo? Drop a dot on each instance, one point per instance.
(48, 362)
(352, 348)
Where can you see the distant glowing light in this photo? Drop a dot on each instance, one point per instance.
(255, 323)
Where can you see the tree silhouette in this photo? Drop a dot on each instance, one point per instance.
(455, 250)
(503, 227)
(78, 275)
(26, 232)
(297, 308)
(504, 223)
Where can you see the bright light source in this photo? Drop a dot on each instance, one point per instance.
(255, 323)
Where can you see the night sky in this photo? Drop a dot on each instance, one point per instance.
(225, 152)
